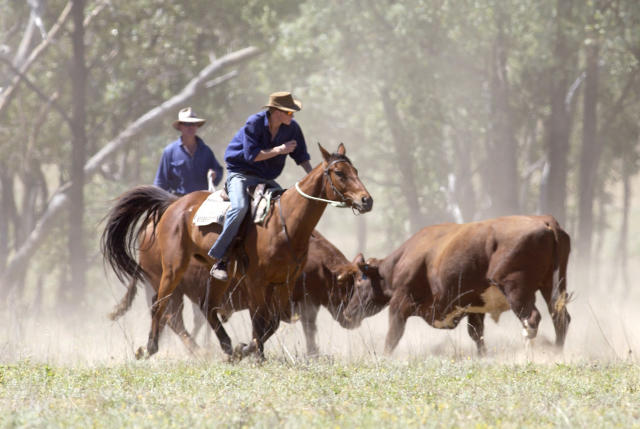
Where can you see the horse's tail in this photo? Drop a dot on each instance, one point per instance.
(131, 214)
(125, 303)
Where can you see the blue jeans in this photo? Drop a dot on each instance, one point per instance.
(237, 184)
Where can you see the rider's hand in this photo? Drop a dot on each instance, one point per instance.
(288, 147)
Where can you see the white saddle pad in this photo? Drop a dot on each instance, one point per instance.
(213, 209)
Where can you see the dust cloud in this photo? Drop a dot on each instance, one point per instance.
(604, 327)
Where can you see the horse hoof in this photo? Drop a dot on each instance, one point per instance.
(238, 353)
(142, 353)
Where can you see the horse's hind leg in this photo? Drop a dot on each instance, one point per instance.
(172, 271)
(176, 323)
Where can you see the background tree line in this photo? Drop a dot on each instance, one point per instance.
(453, 111)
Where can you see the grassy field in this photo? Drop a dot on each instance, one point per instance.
(431, 392)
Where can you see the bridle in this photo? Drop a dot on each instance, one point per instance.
(340, 204)
(343, 203)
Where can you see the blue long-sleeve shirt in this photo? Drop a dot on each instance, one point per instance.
(182, 173)
(253, 137)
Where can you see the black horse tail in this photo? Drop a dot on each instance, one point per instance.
(131, 214)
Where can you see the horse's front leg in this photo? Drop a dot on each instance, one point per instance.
(264, 323)
(221, 333)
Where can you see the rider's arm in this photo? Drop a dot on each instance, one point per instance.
(217, 168)
(270, 153)
(307, 166)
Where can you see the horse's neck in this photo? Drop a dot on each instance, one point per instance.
(300, 213)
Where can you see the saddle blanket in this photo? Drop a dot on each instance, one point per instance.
(214, 208)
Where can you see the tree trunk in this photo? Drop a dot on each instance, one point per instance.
(502, 170)
(621, 255)
(60, 198)
(78, 156)
(558, 127)
(404, 157)
(6, 194)
(589, 158)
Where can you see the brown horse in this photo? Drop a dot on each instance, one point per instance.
(327, 280)
(275, 251)
(202, 289)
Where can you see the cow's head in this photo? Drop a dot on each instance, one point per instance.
(344, 278)
(368, 294)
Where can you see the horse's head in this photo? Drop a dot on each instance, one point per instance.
(342, 183)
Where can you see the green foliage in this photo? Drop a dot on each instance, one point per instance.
(435, 60)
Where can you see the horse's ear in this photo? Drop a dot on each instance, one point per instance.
(326, 155)
(341, 149)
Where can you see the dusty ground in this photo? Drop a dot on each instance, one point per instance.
(605, 326)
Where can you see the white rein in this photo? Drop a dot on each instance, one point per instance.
(339, 204)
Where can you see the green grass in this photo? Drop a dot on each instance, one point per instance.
(323, 393)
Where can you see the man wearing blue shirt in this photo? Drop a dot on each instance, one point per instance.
(257, 154)
(185, 162)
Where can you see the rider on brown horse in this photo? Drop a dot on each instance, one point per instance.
(257, 154)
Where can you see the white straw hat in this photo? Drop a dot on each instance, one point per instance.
(187, 116)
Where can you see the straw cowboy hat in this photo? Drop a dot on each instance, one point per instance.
(187, 116)
(284, 101)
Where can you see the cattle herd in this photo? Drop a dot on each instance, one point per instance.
(443, 273)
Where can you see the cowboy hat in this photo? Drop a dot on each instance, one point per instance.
(187, 116)
(284, 101)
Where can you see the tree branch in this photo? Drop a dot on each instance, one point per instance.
(34, 88)
(8, 93)
(60, 198)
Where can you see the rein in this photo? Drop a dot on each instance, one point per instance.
(339, 204)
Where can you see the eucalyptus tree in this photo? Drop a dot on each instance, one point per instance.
(138, 55)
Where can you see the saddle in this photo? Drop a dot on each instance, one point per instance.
(215, 207)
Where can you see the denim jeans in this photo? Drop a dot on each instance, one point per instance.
(237, 184)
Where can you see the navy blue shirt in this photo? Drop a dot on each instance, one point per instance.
(182, 173)
(253, 137)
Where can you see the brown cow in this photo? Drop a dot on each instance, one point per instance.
(448, 271)
(327, 280)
